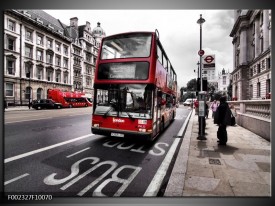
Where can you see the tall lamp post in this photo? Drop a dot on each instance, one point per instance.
(198, 71)
(201, 102)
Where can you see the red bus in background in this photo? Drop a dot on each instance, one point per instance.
(69, 99)
(135, 87)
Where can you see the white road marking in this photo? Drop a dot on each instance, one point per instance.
(78, 152)
(155, 184)
(180, 133)
(26, 120)
(16, 178)
(45, 148)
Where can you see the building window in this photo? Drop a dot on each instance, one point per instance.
(49, 43)
(224, 80)
(65, 49)
(11, 67)
(28, 51)
(39, 40)
(28, 35)
(28, 70)
(49, 75)
(65, 63)
(9, 89)
(268, 86)
(254, 52)
(39, 73)
(58, 60)
(11, 43)
(251, 91)
(258, 68)
(77, 61)
(268, 64)
(258, 89)
(57, 47)
(39, 93)
(28, 93)
(76, 51)
(58, 77)
(49, 58)
(262, 44)
(11, 25)
(66, 78)
(88, 81)
(39, 55)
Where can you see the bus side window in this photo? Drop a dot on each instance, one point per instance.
(168, 101)
(159, 97)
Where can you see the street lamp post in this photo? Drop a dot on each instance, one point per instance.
(201, 102)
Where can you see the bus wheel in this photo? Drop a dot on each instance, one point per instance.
(71, 106)
(173, 117)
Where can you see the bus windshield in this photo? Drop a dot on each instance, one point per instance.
(126, 46)
(124, 100)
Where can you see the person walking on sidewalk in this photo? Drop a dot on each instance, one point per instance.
(222, 118)
(214, 107)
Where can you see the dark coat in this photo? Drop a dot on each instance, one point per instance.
(221, 113)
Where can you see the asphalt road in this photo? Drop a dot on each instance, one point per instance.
(53, 152)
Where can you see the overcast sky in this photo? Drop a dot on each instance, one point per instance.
(178, 29)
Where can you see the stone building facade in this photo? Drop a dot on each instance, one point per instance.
(42, 53)
(223, 81)
(251, 76)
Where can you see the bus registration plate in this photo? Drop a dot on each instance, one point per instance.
(117, 135)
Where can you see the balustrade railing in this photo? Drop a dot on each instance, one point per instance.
(257, 108)
(254, 115)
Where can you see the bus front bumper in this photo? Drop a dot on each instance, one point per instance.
(121, 133)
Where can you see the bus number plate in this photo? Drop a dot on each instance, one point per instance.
(117, 135)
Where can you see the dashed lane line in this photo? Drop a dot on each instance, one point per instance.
(16, 178)
(45, 148)
(78, 152)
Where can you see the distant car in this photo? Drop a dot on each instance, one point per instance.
(188, 102)
(46, 104)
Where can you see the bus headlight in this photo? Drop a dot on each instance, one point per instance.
(96, 125)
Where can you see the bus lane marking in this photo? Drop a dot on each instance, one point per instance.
(74, 177)
(156, 151)
(16, 178)
(78, 152)
(45, 148)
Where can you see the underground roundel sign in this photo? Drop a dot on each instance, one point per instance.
(209, 59)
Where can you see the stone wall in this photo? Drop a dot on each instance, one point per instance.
(254, 115)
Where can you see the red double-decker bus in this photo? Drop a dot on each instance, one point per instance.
(135, 87)
(69, 99)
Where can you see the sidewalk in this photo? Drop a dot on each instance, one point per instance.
(17, 108)
(203, 168)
